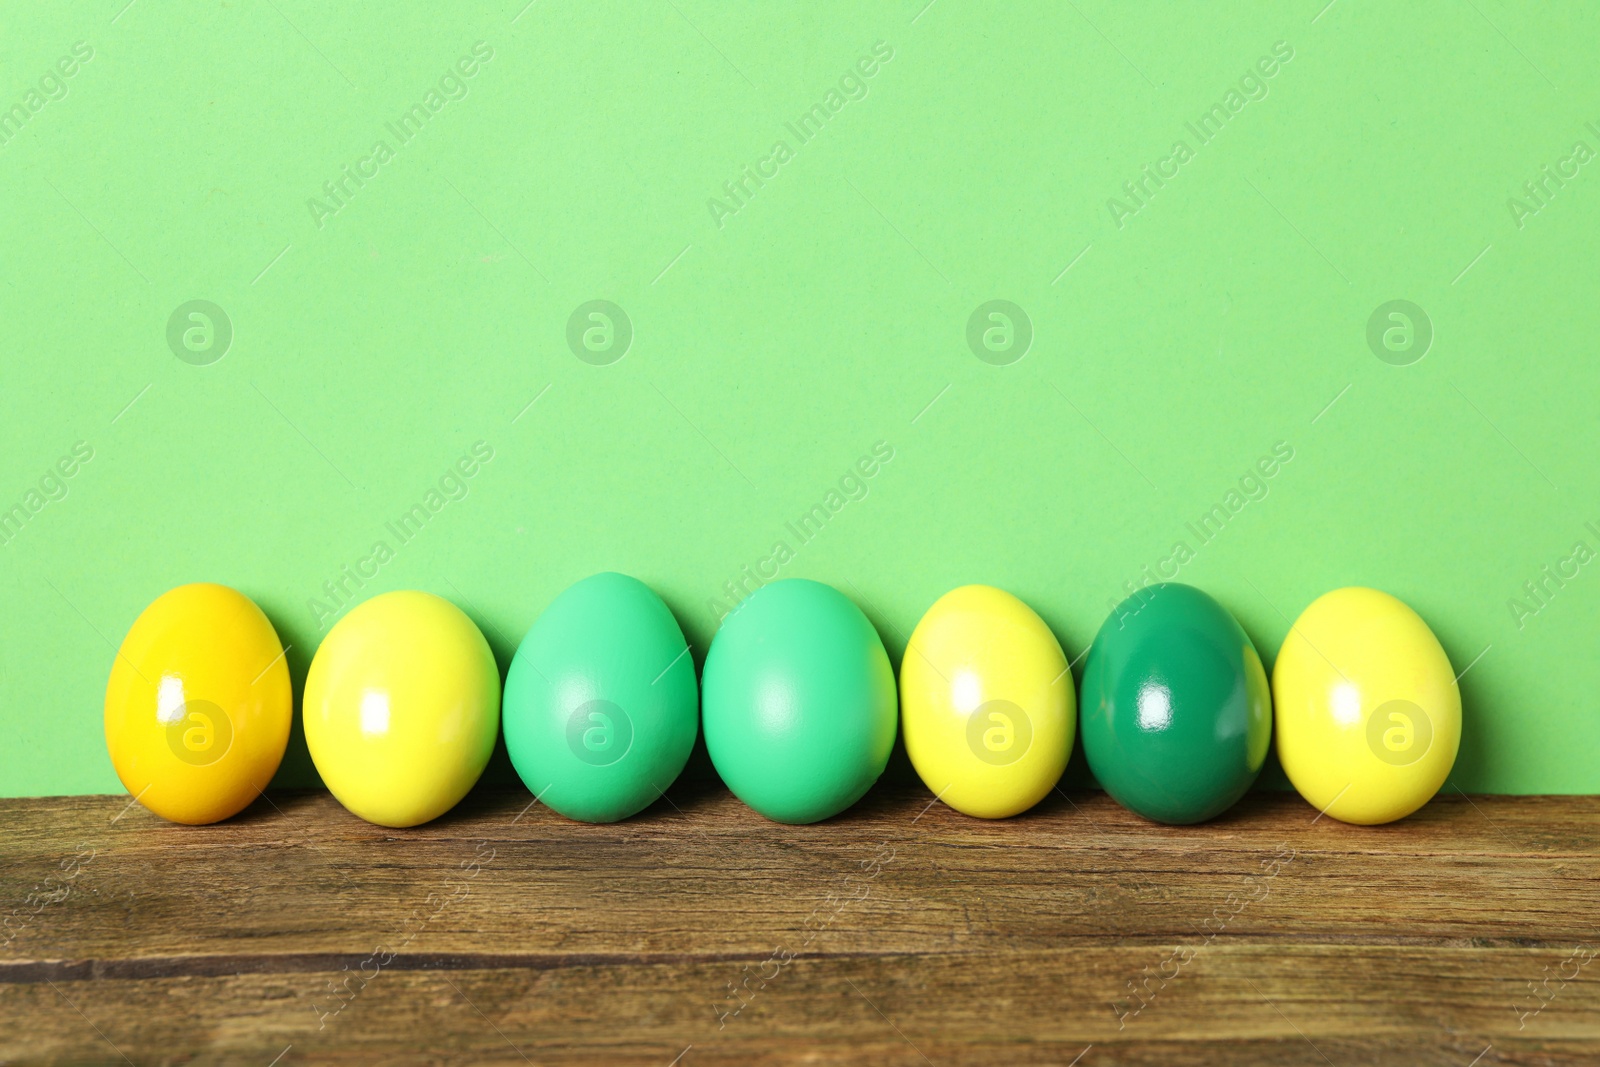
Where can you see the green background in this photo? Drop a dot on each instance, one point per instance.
(770, 352)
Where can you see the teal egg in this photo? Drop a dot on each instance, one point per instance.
(1176, 714)
(600, 701)
(800, 710)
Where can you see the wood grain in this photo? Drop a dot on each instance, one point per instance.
(900, 933)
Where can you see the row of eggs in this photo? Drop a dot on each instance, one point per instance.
(403, 704)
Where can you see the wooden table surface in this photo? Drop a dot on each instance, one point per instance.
(900, 933)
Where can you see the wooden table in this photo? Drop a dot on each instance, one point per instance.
(900, 933)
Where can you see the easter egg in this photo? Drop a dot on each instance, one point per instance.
(1367, 709)
(1176, 713)
(198, 706)
(402, 707)
(601, 706)
(798, 702)
(986, 703)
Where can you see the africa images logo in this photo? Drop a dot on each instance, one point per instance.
(199, 332)
(1399, 733)
(1399, 333)
(342, 589)
(452, 85)
(1252, 86)
(199, 733)
(599, 333)
(752, 178)
(999, 333)
(599, 732)
(50, 87)
(999, 733)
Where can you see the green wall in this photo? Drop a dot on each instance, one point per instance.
(910, 164)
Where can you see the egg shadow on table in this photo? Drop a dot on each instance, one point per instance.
(1063, 800)
(296, 771)
(499, 772)
(499, 804)
(275, 803)
(698, 782)
(1077, 775)
(694, 790)
(1271, 777)
(1475, 759)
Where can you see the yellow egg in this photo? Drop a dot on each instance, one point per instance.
(402, 708)
(1366, 707)
(986, 703)
(198, 706)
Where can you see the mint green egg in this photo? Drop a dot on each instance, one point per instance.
(600, 709)
(800, 708)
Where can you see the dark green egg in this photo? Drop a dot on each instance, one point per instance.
(1176, 714)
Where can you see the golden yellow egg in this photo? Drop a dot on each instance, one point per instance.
(198, 706)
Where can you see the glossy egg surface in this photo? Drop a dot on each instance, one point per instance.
(601, 706)
(402, 708)
(987, 703)
(798, 702)
(1367, 707)
(198, 706)
(1176, 711)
